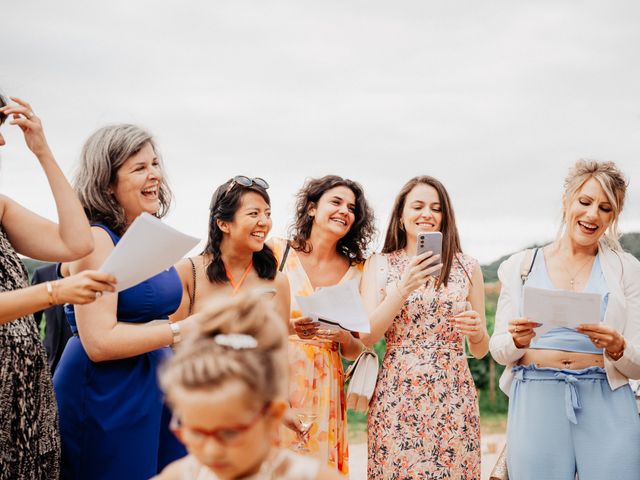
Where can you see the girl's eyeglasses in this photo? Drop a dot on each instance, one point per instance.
(224, 436)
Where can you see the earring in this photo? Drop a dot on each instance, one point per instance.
(401, 225)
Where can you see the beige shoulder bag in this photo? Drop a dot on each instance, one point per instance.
(363, 372)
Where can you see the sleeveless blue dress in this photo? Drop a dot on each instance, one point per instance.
(113, 423)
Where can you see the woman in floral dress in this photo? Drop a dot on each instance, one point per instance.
(424, 420)
(332, 230)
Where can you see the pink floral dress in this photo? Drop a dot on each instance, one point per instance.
(424, 420)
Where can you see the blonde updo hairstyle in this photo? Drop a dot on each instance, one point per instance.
(209, 359)
(612, 181)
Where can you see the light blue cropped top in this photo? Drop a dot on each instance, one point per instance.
(562, 338)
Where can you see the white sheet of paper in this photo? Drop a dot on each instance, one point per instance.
(559, 308)
(147, 248)
(340, 304)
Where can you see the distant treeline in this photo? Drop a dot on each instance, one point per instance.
(630, 242)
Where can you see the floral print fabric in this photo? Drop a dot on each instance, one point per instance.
(315, 371)
(424, 420)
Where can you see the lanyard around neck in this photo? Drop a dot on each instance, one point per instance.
(236, 286)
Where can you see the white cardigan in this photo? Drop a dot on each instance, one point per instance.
(621, 271)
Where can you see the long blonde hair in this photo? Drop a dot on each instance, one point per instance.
(612, 181)
(241, 338)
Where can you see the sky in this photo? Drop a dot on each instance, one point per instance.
(496, 99)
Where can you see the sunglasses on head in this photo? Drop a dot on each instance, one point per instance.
(247, 182)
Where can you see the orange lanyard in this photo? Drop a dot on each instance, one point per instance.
(236, 286)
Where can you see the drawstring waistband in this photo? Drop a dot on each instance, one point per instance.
(570, 378)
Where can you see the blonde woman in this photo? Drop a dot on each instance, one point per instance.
(571, 409)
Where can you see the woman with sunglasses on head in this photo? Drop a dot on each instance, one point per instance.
(571, 409)
(331, 232)
(224, 386)
(235, 258)
(113, 423)
(424, 420)
(29, 440)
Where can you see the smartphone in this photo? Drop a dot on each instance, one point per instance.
(430, 242)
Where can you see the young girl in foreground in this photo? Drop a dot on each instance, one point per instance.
(226, 390)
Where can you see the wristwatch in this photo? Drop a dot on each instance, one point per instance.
(175, 331)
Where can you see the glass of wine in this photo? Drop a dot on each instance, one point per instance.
(456, 309)
(304, 412)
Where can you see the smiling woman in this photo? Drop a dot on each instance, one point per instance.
(424, 306)
(236, 258)
(112, 420)
(568, 388)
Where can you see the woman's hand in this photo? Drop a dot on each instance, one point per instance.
(521, 330)
(30, 124)
(604, 336)
(83, 287)
(292, 422)
(417, 273)
(334, 335)
(304, 327)
(469, 323)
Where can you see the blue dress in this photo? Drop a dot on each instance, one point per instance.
(113, 423)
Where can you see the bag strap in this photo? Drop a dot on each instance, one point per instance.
(284, 256)
(527, 263)
(192, 297)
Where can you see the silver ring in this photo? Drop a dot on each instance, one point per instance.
(517, 329)
(98, 295)
(30, 114)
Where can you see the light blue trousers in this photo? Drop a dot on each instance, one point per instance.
(567, 421)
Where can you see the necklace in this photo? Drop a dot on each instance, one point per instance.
(236, 286)
(572, 277)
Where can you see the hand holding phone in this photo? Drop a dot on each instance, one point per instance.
(430, 242)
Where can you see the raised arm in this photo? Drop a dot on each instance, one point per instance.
(31, 234)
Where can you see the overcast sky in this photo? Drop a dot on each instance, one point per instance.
(496, 99)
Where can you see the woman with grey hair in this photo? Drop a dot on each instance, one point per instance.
(113, 423)
(29, 441)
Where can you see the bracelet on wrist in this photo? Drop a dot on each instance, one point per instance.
(49, 286)
(175, 332)
(616, 356)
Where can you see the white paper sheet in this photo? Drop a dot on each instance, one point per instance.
(147, 248)
(340, 304)
(559, 308)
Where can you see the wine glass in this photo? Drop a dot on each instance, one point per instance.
(301, 402)
(456, 309)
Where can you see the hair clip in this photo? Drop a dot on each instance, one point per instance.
(237, 341)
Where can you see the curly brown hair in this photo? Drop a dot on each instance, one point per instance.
(354, 244)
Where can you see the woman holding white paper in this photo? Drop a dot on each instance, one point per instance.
(424, 420)
(113, 423)
(29, 440)
(570, 406)
(331, 232)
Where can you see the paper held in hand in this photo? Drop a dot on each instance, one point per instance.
(147, 248)
(339, 306)
(560, 308)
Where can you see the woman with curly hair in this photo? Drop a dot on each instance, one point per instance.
(332, 230)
